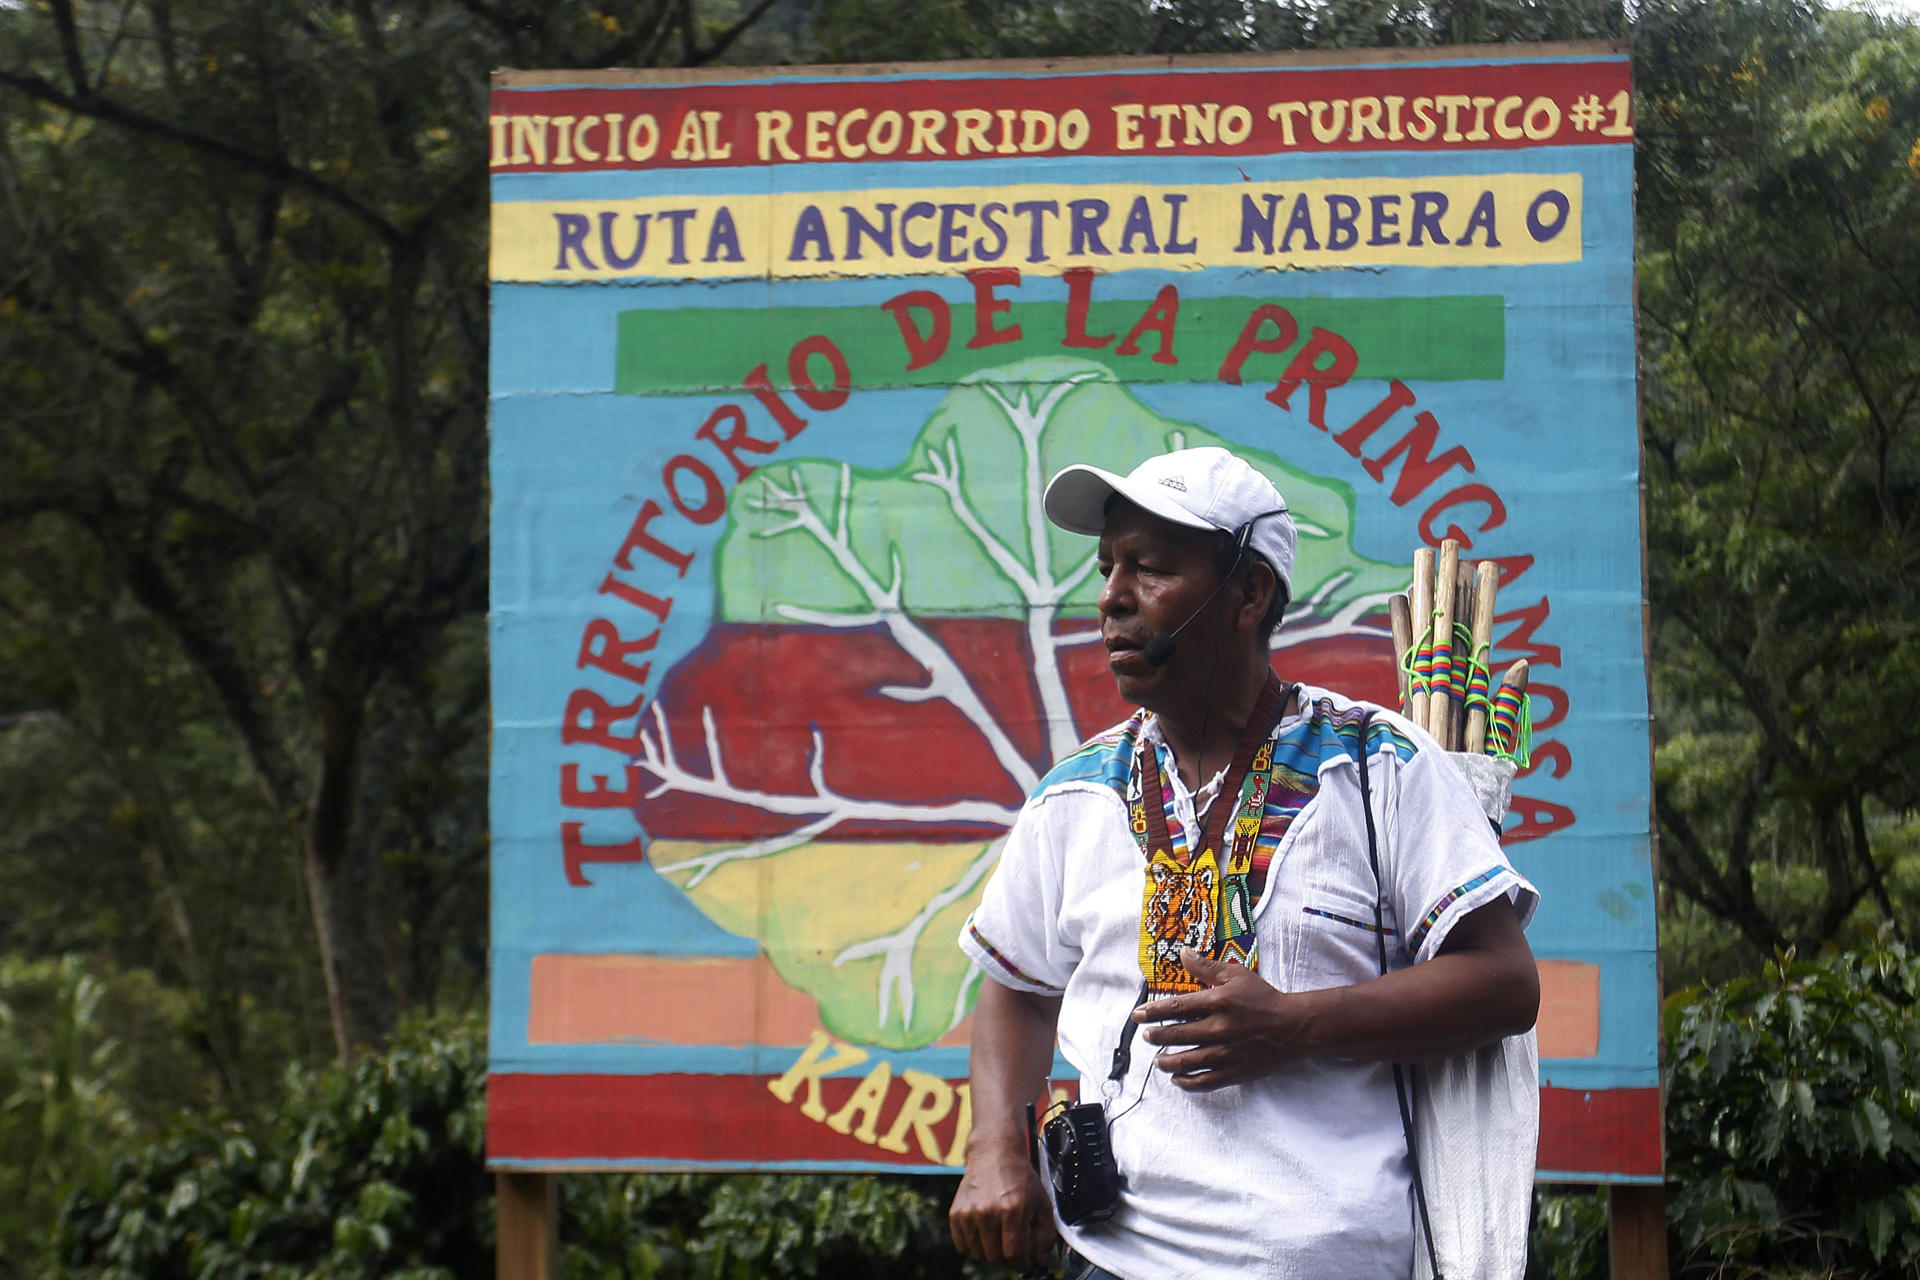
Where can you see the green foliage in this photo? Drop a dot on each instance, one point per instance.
(1569, 1239)
(750, 1227)
(887, 31)
(375, 1169)
(83, 1062)
(367, 1169)
(1793, 1117)
(1779, 222)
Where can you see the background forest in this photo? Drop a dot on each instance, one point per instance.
(243, 698)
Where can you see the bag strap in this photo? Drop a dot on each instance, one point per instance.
(1380, 938)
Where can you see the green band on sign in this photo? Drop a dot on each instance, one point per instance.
(695, 351)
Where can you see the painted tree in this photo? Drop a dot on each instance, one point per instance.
(898, 657)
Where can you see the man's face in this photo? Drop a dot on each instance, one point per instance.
(1157, 573)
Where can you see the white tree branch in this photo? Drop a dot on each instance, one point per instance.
(1345, 621)
(943, 473)
(707, 863)
(1030, 422)
(897, 948)
(821, 618)
(963, 999)
(1072, 580)
(1068, 639)
(945, 677)
(907, 693)
(825, 807)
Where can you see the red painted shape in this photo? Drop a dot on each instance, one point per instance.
(585, 113)
(770, 687)
(1600, 1131)
(735, 1121)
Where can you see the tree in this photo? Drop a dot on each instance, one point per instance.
(873, 30)
(375, 1168)
(244, 394)
(87, 1059)
(1780, 332)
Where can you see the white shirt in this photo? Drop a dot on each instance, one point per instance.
(1302, 1173)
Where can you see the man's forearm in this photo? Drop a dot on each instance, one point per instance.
(1001, 1212)
(1481, 987)
(1450, 1005)
(1013, 1035)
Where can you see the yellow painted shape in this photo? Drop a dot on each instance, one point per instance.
(850, 890)
(806, 906)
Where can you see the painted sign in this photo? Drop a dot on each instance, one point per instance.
(781, 363)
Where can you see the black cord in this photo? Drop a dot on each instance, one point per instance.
(1200, 758)
(1137, 1099)
(1206, 699)
(1380, 939)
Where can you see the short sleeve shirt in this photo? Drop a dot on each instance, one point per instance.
(1302, 1173)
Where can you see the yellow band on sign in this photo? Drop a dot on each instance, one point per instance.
(1503, 219)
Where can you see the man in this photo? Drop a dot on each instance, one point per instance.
(1253, 1114)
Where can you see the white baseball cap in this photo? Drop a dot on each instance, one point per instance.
(1205, 488)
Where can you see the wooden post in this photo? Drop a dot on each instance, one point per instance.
(1637, 1232)
(527, 1242)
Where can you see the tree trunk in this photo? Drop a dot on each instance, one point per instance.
(343, 886)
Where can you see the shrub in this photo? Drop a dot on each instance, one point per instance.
(89, 1060)
(375, 1169)
(1793, 1145)
(371, 1168)
(1569, 1237)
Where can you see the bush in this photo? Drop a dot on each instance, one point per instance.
(376, 1169)
(1569, 1237)
(371, 1168)
(754, 1226)
(1792, 1136)
(89, 1061)
(1793, 1145)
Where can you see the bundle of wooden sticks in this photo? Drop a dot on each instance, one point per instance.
(1443, 667)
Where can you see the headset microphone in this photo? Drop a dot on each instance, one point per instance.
(1159, 650)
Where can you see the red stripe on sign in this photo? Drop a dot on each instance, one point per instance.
(736, 1121)
(722, 1120)
(1402, 107)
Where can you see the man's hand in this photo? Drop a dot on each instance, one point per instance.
(1001, 1212)
(1239, 1028)
(1482, 985)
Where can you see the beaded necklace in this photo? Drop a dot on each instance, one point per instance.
(1190, 899)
